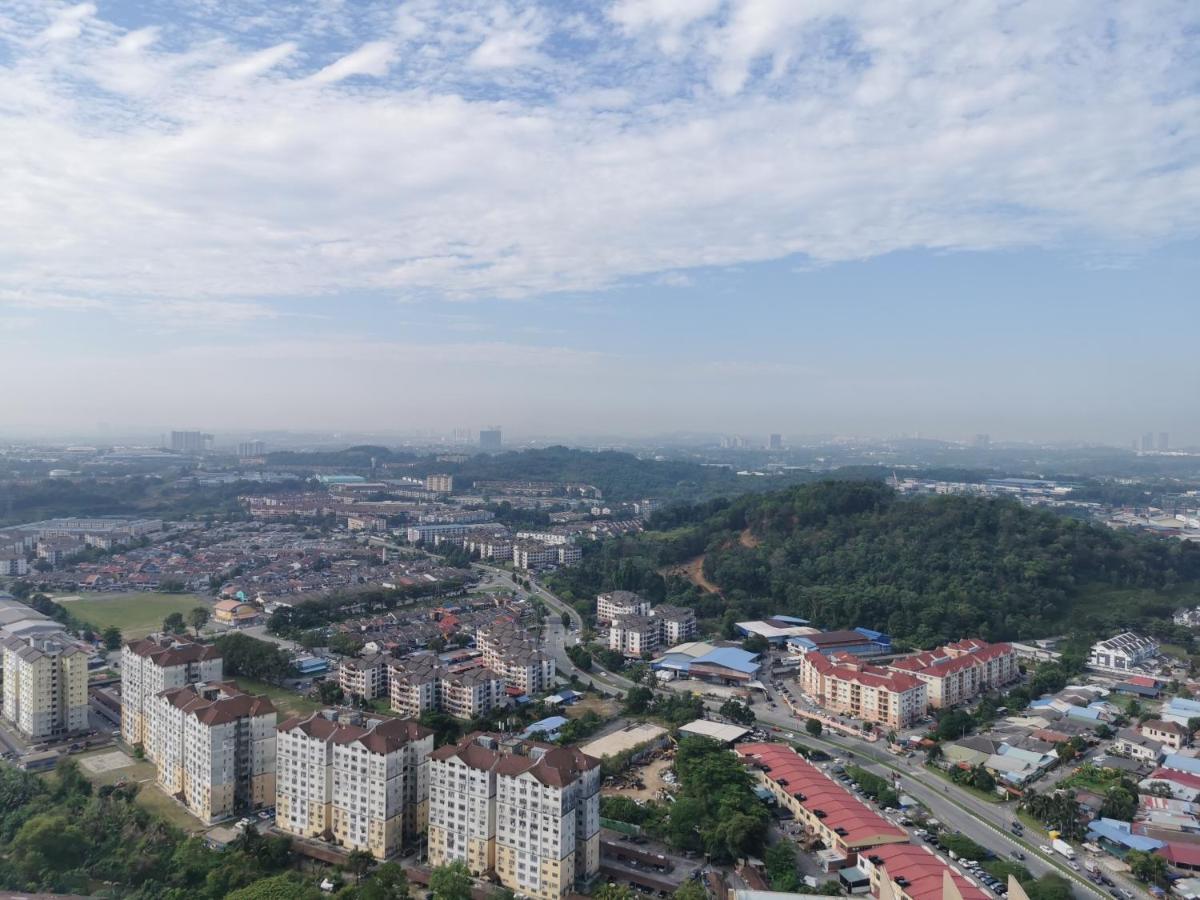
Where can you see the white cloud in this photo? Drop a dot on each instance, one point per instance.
(369, 59)
(68, 24)
(505, 152)
(505, 50)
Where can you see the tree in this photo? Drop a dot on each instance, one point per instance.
(638, 700)
(197, 617)
(174, 623)
(289, 886)
(613, 892)
(814, 727)
(1148, 867)
(690, 890)
(451, 882)
(737, 712)
(1103, 731)
(388, 882)
(359, 863)
(330, 692)
(112, 638)
(345, 644)
(756, 643)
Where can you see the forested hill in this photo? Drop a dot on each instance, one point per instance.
(927, 569)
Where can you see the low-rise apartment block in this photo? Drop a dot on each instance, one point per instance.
(13, 564)
(957, 673)
(526, 811)
(45, 686)
(843, 684)
(420, 683)
(510, 652)
(634, 636)
(154, 664)
(439, 484)
(616, 604)
(678, 624)
(362, 783)
(366, 677)
(214, 748)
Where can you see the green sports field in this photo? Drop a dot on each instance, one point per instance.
(135, 614)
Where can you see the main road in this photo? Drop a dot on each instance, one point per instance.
(985, 823)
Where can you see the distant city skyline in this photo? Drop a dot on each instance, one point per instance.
(627, 217)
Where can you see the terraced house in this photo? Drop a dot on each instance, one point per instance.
(526, 811)
(359, 782)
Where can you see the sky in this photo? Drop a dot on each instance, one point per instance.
(617, 216)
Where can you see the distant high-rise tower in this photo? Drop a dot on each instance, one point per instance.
(191, 442)
(775, 442)
(489, 439)
(248, 449)
(1163, 443)
(983, 441)
(1148, 441)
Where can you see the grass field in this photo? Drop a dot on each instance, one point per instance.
(135, 614)
(142, 773)
(288, 703)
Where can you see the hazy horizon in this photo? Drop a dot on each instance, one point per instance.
(627, 217)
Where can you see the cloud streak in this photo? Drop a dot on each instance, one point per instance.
(460, 150)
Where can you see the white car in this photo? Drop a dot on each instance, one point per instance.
(1047, 850)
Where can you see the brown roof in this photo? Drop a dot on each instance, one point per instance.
(1168, 727)
(377, 735)
(555, 767)
(173, 650)
(229, 704)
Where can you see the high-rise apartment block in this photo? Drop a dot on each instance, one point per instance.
(362, 783)
(775, 442)
(365, 678)
(190, 442)
(155, 664)
(214, 748)
(250, 449)
(490, 440)
(45, 686)
(440, 484)
(528, 811)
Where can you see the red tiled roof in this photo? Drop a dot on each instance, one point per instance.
(1184, 778)
(1143, 681)
(862, 825)
(1181, 854)
(923, 871)
(871, 676)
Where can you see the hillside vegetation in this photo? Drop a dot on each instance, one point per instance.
(845, 553)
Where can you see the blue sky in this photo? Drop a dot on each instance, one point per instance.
(624, 215)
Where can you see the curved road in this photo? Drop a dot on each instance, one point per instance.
(986, 824)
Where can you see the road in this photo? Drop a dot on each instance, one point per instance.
(986, 824)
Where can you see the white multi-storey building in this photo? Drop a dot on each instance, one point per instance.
(678, 624)
(13, 564)
(1121, 653)
(214, 748)
(45, 686)
(420, 683)
(616, 604)
(510, 652)
(528, 811)
(155, 664)
(362, 783)
(366, 678)
(634, 636)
